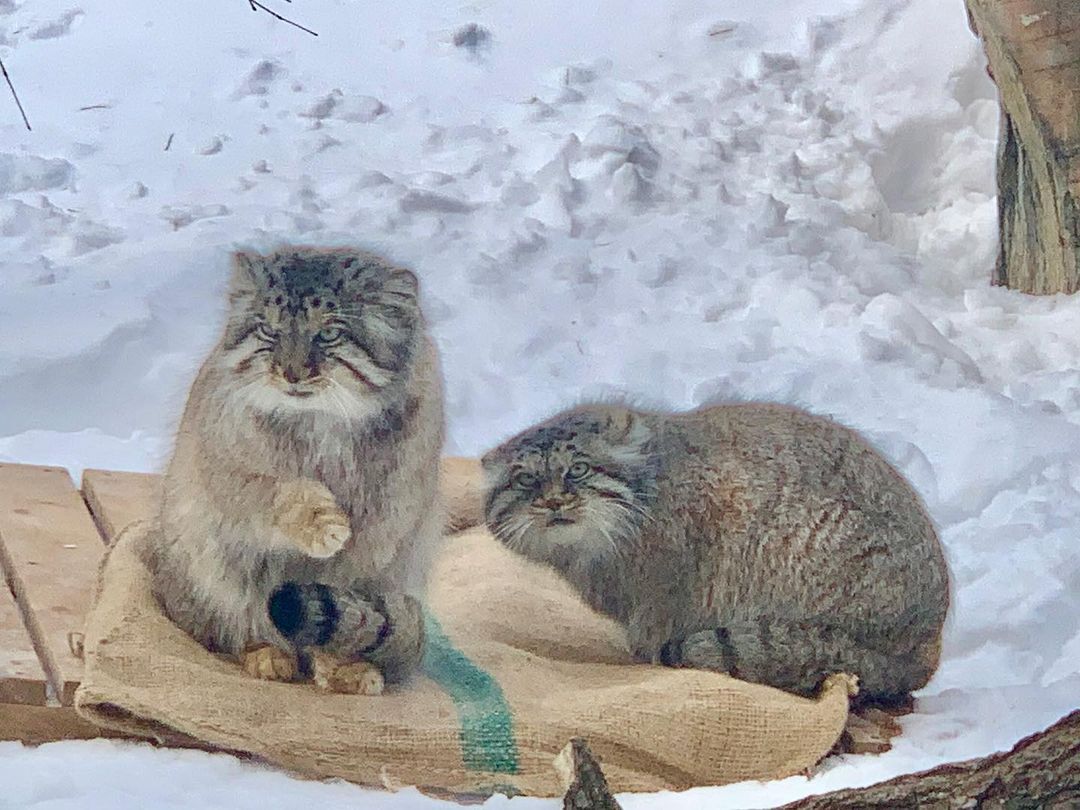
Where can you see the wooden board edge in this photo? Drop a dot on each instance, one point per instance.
(50, 550)
(11, 580)
(22, 677)
(24, 691)
(34, 725)
(93, 506)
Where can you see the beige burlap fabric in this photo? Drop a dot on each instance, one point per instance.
(516, 666)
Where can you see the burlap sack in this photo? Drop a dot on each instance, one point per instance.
(516, 666)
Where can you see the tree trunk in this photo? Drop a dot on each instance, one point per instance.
(1033, 47)
(1041, 771)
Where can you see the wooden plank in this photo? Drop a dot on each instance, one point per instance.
(34, 725)
(51, 550)
(118, 498)
(22, 680)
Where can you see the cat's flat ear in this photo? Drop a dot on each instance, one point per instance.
(244, 279)
(402, 282)
(492, 462)
(489, 469)
(626, 428)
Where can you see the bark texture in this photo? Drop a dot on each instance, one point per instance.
(586, 787)
(1041, 772)
(1033, 47)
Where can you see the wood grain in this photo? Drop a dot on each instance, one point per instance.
(116, 499)
(51, 551)
(34, 725)
(22, 680)
(1033, 50)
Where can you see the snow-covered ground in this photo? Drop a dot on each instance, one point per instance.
(684, 200)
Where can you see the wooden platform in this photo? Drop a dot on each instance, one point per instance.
(50, 547)
(52, 538)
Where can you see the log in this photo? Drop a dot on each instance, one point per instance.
(584, 781)
(1033, 49)
(1041, 771)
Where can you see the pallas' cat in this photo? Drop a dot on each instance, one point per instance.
(299, 507)
(754, 539)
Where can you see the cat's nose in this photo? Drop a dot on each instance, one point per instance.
(555, 502)
(296, 372)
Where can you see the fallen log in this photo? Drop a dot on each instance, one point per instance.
(1041, 771)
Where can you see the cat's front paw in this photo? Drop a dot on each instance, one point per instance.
(269, 663)
(358, 678)
(355, 678)
(305, 511)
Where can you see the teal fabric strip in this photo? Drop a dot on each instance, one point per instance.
(487, 726)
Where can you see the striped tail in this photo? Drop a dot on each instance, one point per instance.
(342, 621)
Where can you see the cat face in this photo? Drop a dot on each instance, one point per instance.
(317, 329)
(578, 486)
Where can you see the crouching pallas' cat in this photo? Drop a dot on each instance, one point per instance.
(754, 539)
(299, 507)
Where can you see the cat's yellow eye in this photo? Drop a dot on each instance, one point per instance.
(524, 480)
(329, 335)
(578, 470)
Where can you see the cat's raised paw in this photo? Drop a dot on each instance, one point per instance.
(305, 511)
(269, 663)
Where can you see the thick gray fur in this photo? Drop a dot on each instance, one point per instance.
(308, 450)
(754, 538)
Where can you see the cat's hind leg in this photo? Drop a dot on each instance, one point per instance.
(399, 651)
(796, 656)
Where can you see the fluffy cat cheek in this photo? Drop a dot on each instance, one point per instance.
(241, 360)
(358, 375)
(561, 536)
(266, 398)
(582, 540)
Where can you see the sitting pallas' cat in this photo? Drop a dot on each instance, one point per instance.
(754, 539)
(305, 473)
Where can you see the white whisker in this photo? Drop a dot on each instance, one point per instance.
(599, 519)
(336, 398)
(511, 531)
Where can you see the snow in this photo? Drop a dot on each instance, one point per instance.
(684, 201)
